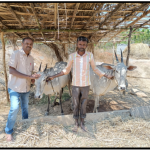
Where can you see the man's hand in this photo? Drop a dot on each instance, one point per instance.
(109, 76)
(49, 78)
(35, 76)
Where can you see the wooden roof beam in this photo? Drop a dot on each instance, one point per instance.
(61, 30)
(32, 7)
(55, 15)
(72, 9)
(92, 17)
(74, 14)
(144, 14)
(131, 24)
(111, 13)
(14, 14)
(3, 24)
(89, 18)
(8, 28)
(108, 16)
(135, 10)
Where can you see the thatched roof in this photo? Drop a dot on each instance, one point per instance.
(64, 22)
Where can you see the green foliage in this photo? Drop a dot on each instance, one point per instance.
(139, 36)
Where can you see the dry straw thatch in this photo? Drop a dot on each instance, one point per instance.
(57, 23)
(116, 131)
(64, 22)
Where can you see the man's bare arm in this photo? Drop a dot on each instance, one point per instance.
(14, 72)
(55, 76)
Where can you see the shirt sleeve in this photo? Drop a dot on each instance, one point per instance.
(13, 60)
(32, 64)
(69, 66)
(95, 69)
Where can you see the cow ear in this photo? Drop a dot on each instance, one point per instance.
(109, 67)
(131, 68)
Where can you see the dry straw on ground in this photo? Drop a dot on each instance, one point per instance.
(117, 131)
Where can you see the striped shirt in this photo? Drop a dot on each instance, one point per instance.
(81, 68)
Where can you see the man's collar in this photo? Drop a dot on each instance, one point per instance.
(23, 52)
(77, 55)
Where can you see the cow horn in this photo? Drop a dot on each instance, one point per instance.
(121, 56)
(116, 57)
(40, 66)
(45, 68)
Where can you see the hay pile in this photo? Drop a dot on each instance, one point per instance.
(138, 51)
(112, 132)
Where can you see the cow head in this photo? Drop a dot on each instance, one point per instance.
(120, 71)
(40, 83)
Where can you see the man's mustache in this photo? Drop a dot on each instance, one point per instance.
(81, 49)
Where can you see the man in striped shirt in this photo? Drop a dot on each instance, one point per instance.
(80, 61)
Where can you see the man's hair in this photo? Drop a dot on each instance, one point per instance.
(82, 38)
(27, 38)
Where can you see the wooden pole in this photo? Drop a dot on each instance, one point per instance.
(54, 30)
(113, 50)
(4, 66)
(129, 40)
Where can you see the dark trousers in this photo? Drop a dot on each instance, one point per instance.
(79, 97)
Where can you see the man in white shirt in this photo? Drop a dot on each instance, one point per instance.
(21, 66)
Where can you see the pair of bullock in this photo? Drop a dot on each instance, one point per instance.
(98, 86)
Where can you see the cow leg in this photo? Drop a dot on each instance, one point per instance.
(61, 92)
(124, 92)
(55, 103)
(96, 106)
(47, 113)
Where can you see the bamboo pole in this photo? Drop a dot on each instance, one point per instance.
(114, 42)
(129, 40)
(61, 30)
(4, 66)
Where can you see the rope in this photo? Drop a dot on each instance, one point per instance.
(52, 87)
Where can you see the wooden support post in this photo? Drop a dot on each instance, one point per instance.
(114, 42)
(129, 40)
(4, 66)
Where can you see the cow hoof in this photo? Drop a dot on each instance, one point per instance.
(47, 113)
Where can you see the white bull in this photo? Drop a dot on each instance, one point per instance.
(54, 87)
(102, 86)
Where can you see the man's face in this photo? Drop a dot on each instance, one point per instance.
(81, 45)
(27, 45)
